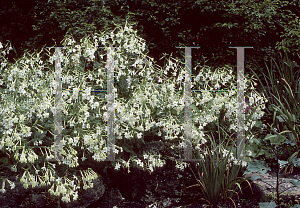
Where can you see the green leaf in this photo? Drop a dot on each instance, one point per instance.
(295, 182)
(253, 148)
(257, 166)
(258, 124)
(282, 162)
(143, 140)
(271, 108)
(267, 205)
(195, 108)
(292, 157)
(254, 178)
(275, 139)
(268, 154)
(291, 137)
(4, 161)
(128, 150)
(173, 111)
(296, 161)
(281, 118)
(97, 64)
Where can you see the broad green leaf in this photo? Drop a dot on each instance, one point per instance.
(275, 139)
(254, 178)
(259, 124)
(291, 138)
(257, 166)
(282, 163)
(267, 205)
(296, 161)
(295, 182)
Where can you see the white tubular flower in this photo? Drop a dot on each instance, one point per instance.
(63, 189)
(75, 196)
(116, 151)
(244, 163)
(51, 177)
(32, 157)
(41, 182)
(14, 168)
(66, 198)
(57, 193)
(117, 166)
(51, 190)
(85, 186)
(139, 162)
(146, 156)
(151, 168)
(2, 189)
(12, 184)
(139, 135)
(25, 185)
(23, 157)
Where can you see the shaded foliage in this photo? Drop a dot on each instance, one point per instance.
(268, 26)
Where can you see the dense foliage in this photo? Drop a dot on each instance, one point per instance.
(268, 26)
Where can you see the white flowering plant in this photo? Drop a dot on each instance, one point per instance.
(142, 106)
(217, 172)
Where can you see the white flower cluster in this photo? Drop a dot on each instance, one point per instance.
(233, 159)
(151, 161)
(28, 156)
(150, 105)
(12, 185)
(181, 165)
